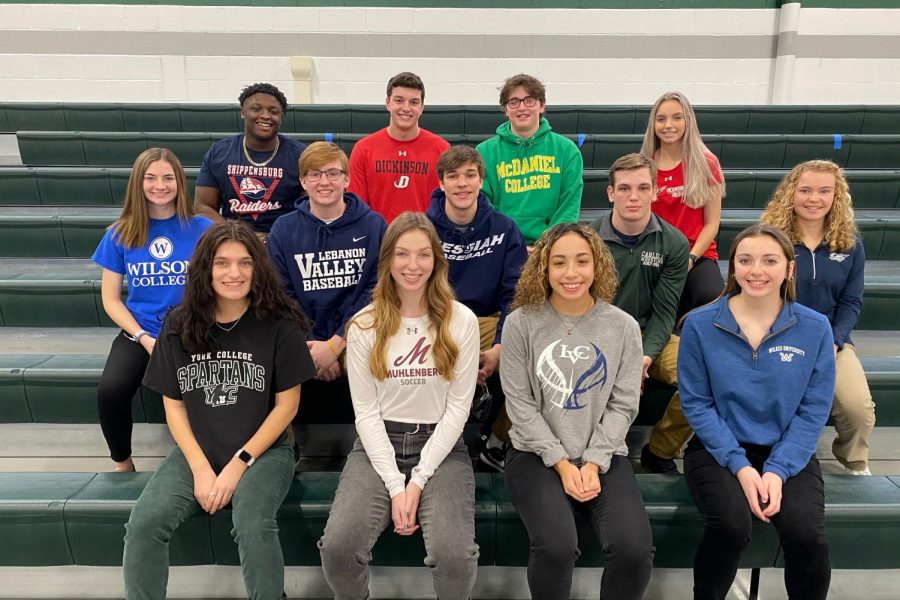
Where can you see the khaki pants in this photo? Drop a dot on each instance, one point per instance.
(853, 411)
(672, 431)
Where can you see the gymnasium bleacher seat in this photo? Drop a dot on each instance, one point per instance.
(77, 159)
(736, 151)
(446, 119)
(89, 185)
(78, 518)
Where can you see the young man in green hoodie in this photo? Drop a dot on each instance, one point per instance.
(533, 174)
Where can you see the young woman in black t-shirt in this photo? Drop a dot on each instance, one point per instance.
(229, 362)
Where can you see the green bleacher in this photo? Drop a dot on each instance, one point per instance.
(90, 186)
(444, 119)
(599, 150)
(76, 160)
(49, 519)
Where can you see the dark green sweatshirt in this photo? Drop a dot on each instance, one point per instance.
(651, 277)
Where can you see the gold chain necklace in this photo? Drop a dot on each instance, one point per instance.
(268, 160)
(568, 329)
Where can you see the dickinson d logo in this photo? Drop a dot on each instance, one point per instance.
(562, 392)
(161, 248)
(402, 182)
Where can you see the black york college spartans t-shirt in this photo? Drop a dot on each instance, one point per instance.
(229, 392)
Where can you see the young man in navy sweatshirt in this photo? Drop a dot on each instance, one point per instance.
(486, 252)
(326, 252)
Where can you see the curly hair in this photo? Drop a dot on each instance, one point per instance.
(788, 286)
(263, 88)
(700, 184)
(132, 225)
(195, 318)
(534, 284)
(840, 228)
(532, 85)
(384, 314)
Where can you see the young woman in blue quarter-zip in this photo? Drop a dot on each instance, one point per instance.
(756, 376)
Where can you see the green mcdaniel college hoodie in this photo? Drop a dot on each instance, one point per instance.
(536, 181)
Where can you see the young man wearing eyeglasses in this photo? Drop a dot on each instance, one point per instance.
(393, 169)
(326, 252)
(533, 174)
(251, 177)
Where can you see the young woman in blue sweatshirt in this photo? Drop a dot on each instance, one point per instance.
(756, 376)
(812, 205)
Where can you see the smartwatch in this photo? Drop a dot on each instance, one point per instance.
(245, 457)
(136, 338)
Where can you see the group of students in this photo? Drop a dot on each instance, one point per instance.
(487, 275)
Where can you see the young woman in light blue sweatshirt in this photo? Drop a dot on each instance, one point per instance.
(756, 376)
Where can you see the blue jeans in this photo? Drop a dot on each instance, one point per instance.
(362, 510)
(168, 500)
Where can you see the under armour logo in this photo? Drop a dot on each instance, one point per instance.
(667, 178)
(412, 330)
(401, 152)
(402, 182)
(786, 356)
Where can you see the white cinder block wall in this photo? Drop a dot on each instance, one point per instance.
(107, 53)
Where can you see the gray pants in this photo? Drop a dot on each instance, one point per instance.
(362, 510)
(168, 500)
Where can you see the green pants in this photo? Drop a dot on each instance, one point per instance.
(168, 500)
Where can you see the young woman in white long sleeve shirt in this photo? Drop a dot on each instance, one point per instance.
(412, 361)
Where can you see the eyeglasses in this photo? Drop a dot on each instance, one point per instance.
(331, 174)
(528, 101)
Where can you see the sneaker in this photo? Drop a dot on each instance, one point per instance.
(656, 464)
(495, 458)
(863, 471)
(126, 466)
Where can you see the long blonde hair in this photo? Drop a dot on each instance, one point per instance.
(700, 184)
(384, 315)
(131, 226)
(840, 228)
(534, 283)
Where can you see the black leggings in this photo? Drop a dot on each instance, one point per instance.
(703, 285)
(121, 379)
(727, 519)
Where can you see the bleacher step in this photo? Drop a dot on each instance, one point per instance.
(50, 447)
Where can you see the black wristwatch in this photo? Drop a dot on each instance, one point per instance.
(693, 258)
(245, 457)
